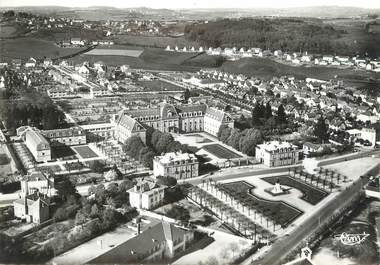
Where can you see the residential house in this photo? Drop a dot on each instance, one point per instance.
(275, 153)
(163, 241)
(33, 208)
(177, 165)
(146, 195)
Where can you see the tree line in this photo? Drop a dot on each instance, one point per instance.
(283, 33)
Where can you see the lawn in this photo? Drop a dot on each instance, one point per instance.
(278, 211)
(158, 85)
(25, 48)
(115, 52)
(85, 151)
(310, 194)
(63, 152)
(220, 151)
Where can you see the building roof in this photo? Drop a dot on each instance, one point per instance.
(67, 132)
(215, 114)
(32, 199)
(128, 122)
(191, 108)
(140, 247)
(312, 146)
(275, 145)
(37, 139)
(173, 157)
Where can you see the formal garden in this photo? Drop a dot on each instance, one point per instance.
(278, 212)
(310, 194)
(220, 151)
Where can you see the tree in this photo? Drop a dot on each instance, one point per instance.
(321, 130)
(251, 139)
(268, 111)
(179, 213)
(65, 189)
(97, 166)
(257, 114)
(281, 116)
(80, 218)
(224, 133)
(167, 181)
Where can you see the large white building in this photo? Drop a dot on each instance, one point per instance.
(146, 195)
(169, 118)
(275, 153)
(176, 165)
(37, 181)
(37, 145)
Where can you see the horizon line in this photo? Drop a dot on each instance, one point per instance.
(193, 8)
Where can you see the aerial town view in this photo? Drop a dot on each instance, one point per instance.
(190, 132)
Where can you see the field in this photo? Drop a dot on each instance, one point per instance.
(311, 194)
(63, 152)
(7, 31)
(267, 68)
(279, 211)
(158, 85)
(85, 151)
(114, 52)
(220, 151)
(154, 59)
(24, 48)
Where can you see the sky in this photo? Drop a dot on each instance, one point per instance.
(176, 4)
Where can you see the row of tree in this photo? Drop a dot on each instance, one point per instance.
(262, 115)
(156, 143)
(242, 140)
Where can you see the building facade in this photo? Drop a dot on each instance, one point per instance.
(169, 118)
(37, 145)
(68, 136)
(146, 195)
(275, 153)
(37, 181)
(33, 208)
(99, 131)
(176, 165)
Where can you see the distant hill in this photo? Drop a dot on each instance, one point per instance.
(107, 12)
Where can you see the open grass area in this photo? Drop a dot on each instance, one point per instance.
(310, 194)
(85, 151)
(279, 211)
(114, 52)
(220, 151)
(63, 152)
(158, 85)
(25, 48)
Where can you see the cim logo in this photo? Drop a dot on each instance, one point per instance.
(351, 239)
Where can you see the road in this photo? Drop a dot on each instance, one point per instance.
(285, 245)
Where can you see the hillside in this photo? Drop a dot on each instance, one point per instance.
(287, 34)
(266, 68)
